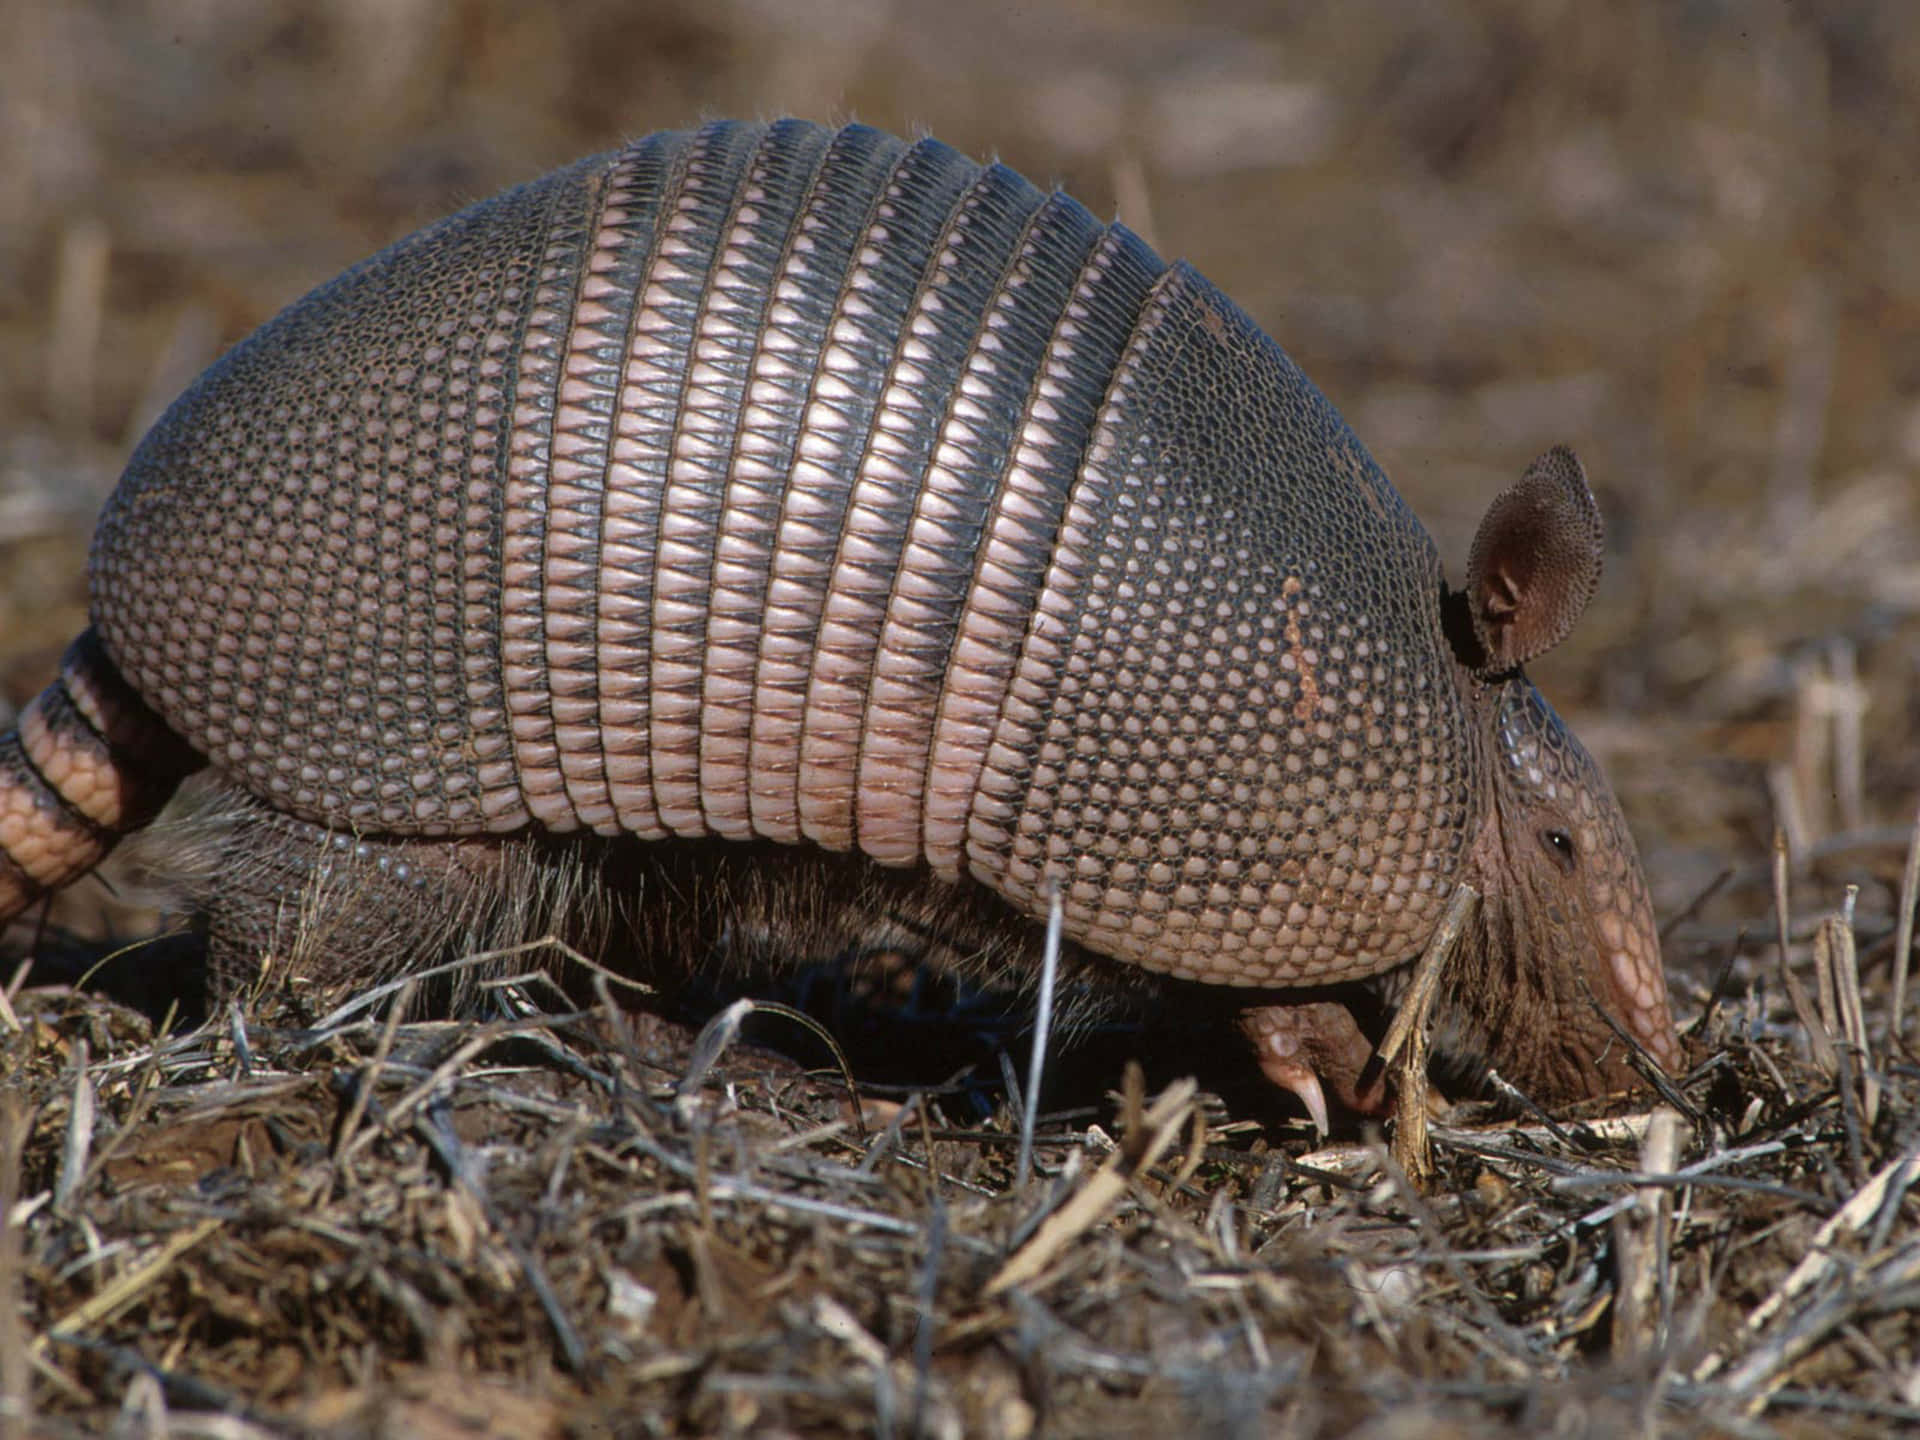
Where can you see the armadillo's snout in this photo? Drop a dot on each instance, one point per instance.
(1625, 972)
(1630, 941)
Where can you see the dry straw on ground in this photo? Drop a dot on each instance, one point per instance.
(335, 1224)
(1677, 237)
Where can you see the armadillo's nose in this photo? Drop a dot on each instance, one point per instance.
(1631, 942)
(1626, 936)
(1642, 989)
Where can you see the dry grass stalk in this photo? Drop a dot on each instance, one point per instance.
(1837, 964)
(1145, 1141)
(10, 1022)
(1881, 1286)
(79, 1139)
(368, 1078)
(16, 1396)
(126, 1289)
(1642, 1246)
(1909, 901)
(1042, 1033)
(1881, 1196)
(1803, 1010)
(1404, 1049)
(1846, 704)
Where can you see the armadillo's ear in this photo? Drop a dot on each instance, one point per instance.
(1535, 562)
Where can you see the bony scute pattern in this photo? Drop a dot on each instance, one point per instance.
(346, 471)
(1273, 830)
(769, 485)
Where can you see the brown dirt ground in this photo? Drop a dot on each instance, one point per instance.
(1680, 237)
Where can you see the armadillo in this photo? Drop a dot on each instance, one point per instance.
(833, 533)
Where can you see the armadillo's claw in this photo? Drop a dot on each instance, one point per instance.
(1283, 1040)
(1313, 1049)
(1296, 1076)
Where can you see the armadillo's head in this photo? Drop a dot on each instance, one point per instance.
(1566, 930)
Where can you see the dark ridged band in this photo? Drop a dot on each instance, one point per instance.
(795, 419)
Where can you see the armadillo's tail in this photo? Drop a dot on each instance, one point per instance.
(88, 762)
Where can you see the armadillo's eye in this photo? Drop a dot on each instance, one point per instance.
(1559, 845)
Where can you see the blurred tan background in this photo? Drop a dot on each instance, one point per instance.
(1679, 236)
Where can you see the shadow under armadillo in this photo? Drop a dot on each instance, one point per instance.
(923, 984)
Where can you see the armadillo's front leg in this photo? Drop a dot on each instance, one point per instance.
(1316, 1050)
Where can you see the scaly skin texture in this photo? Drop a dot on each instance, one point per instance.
(768, 485)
